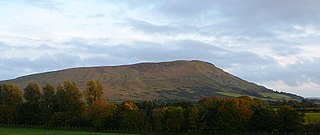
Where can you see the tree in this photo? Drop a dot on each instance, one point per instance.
(69, 99)
(1, 95)
(10, 100)
(30, 111)
(97, 113)
(234, 114)
(158, 117)
(32, 94)
(194, 118)
(8, 114)
(61, 119)
(209, 109)
(174, 118)
(49, 102)
(11, 95)
(94, 91)
(131, 116)
(102, 114)
(264, 119)
(289, 119)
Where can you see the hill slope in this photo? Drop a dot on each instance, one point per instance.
(164, 80)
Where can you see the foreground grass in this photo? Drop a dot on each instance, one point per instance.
(31, 131)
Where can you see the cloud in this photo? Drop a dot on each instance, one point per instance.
(97, 15)
(170, 50)
(151, 28)
(45, 4)
(3, 46)
(308, 89)
(250, 17)
(14, 67)
(269, 42)
(244, 12)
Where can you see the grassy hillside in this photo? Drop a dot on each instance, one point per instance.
(164, 80)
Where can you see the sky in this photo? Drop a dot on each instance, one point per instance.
(274, 43)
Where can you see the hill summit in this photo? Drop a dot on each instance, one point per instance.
(174, 80)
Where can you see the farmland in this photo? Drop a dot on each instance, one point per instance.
(31, 131)
(313, 117)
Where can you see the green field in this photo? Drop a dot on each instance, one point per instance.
(274, 95)
(230, 94)
(312, 117)
(30, 131)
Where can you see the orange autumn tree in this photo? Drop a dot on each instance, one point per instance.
(234, 114)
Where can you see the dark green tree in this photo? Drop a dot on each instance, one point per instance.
(48, 102)
(174, 118)
(69, 100)
(30, 111)
(1, 94)
(194, 118)
(290, 120)
(209, 109)
(32, 94)
(264, 119)
(158, 117)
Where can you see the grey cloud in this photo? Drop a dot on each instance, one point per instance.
(45, 46)
(274, 11)
(285, 50)
(101, 54)
(151, 28)
(4, 46)
(85, 46)
(254, 18)
(45, 4)
(12, 67)
(180, 49)
(303, 71)
(98, 15)
(152, 51)
(248, 11)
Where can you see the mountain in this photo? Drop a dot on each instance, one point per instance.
(165, 80)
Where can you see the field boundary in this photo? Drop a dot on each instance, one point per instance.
(75, 128)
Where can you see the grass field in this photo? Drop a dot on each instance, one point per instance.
(30, 131)
(312, 117)
(274, 95)
(231, 94)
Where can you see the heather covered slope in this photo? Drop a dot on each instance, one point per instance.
(165, 80)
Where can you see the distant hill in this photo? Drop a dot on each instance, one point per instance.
(174, 80)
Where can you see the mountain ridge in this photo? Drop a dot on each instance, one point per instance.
(181, 79)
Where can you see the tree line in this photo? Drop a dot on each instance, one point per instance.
(65, 105)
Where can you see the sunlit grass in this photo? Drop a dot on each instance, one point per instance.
(274, 95)
(312, 117)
